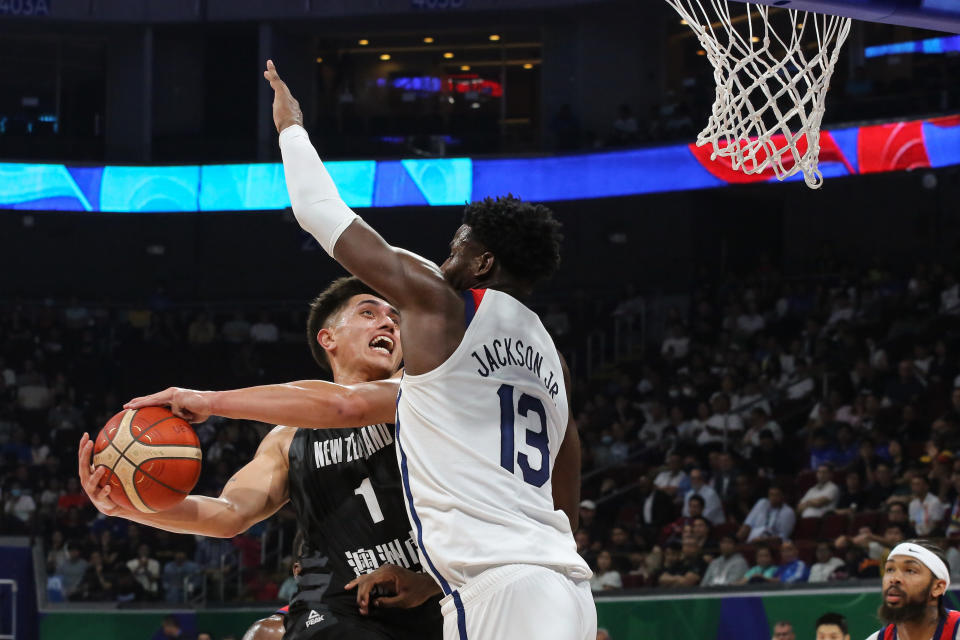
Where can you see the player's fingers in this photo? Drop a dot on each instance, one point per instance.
(91, 483)
(364, 586)
(390, 602)
(83, 444)
(159, 399)
(103, 492)
(83, 457)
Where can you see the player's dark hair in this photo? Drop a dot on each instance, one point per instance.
(523, 237)
(834, 619)
(327, 305)
(698, 498)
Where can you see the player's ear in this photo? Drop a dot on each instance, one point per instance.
(326, 339)
(939, 588)
(485, 263)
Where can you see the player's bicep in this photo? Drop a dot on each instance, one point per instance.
(403, 278)
(260, 487)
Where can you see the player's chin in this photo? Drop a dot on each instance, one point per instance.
(382, 363)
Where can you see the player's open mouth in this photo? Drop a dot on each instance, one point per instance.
(383, 344)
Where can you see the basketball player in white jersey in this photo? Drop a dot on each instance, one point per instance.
(483, 425)
(488, 451)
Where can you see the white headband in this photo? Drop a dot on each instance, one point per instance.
(927, 557)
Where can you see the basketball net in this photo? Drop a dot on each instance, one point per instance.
(770, 96)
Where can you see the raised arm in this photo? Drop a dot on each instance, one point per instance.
(566, 468)
(307, 404)
(254, 493)
(405, 279)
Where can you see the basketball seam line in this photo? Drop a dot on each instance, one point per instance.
(160, 482)
(136, 438)
(163, 484)
(113, 469)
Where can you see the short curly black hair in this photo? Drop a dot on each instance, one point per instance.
(328, 304)
(524, 237)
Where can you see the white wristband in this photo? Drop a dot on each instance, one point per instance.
(313, 195)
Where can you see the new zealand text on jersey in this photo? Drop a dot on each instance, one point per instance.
(361, 444)
(504, 352)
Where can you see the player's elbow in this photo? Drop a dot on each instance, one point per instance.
(229, 528)
(349, 410)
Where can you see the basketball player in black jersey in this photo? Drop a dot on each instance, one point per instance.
(344, 485)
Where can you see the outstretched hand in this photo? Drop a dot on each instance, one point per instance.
(192, 406)
(412, 589)
(91, 478)
(286, 109)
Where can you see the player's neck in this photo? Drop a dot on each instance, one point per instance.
(922, 630)
(506, 285)
(348, 376)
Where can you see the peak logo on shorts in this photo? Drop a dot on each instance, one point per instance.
(313, 618)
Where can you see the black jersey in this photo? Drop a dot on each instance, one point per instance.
(346, 491)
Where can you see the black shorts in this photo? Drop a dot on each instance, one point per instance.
(323, 621)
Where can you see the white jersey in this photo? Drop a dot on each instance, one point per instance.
(477, 439)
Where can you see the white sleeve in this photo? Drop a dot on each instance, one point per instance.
(313, 195)
(874, 636)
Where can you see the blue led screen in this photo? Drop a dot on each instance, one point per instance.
(454, 181)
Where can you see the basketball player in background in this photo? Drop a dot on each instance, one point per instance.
(915, 578)
(488, 450)
(271, 628)
(344, 485)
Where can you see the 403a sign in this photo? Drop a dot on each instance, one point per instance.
(24, 7)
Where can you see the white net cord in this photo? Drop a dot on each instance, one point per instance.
(770, 90)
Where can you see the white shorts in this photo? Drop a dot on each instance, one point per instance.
(520, 601)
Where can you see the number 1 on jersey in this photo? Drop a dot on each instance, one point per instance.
(365, 490)
(536, 439)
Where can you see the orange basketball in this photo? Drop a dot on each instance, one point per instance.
(153, 458)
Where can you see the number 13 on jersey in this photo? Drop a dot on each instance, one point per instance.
(527, 406)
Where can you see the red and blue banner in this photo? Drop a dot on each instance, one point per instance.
(898, 146)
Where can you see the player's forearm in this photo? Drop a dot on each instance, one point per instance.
(306, 405)
(197, 515)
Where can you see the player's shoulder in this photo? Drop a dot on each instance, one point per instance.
(278, 440)
(875, 635)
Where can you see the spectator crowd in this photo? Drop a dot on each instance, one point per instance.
(781, 431)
